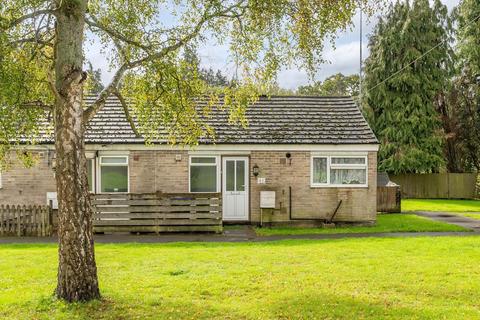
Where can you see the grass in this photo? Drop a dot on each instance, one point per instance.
(375, 278)
(385, 223)
(440, 205)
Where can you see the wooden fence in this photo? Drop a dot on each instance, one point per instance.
(158, 212)
(437, 185)
(21, 220)
(389, 199)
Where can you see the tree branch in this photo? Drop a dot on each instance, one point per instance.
(90, 112)
(51, 83)
(100, 102)
(37, 104)
(127, 112)
(47, 42)
(28, 16)
(94, 23)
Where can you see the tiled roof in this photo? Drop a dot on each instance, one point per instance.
(274, 120)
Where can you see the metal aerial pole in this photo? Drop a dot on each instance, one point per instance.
(361, 54)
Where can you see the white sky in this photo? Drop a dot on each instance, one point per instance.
(344, 58)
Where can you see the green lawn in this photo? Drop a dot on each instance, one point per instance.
(385, 223)
(440, 205)
(375, 278)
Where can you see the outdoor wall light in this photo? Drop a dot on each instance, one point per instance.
(256, 170)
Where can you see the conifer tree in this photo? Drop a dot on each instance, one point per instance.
(465, 94)
(400, 95)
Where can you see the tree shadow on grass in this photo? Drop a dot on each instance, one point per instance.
(330, 306)
(313, 305)
(108, 308)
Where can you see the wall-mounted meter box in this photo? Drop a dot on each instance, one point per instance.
(267, 199)
(52, 197)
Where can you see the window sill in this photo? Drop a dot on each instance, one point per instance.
(200, 192)
(340, 186)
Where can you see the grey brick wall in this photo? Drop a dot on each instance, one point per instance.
(358, 204)
(153, 170)
(22, 185)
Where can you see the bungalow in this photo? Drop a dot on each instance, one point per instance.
(303, 158)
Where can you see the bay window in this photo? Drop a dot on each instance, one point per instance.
(204, 174)
(336, 171)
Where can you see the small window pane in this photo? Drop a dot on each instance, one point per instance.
(230, 175)
(114, 179)
(203, 179)
(114, 160)
(348, 176)
(319, 170)
(348, 160)
(203, 160)
(90, 174)
(240, 175)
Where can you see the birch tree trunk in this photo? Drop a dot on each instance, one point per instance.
(77, 272)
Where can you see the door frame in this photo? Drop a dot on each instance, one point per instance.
(247, 185)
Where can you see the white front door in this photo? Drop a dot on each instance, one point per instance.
(235, 188)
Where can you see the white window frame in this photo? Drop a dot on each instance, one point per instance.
(216, 164)
(94, 174)
(319, 184)
(100, 165)
(339, 166)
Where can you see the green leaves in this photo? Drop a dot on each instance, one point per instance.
(462, 106)
(172, 103)
(22, 89)
(336, 85)
(144, 41)
(402, 109)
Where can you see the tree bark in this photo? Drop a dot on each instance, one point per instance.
(77, 271)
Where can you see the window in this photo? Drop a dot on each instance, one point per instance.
(320, 173)
(91, 174)
(114, 174)
(339, 171)
(203, 174)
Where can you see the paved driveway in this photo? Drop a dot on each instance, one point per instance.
(452, 218)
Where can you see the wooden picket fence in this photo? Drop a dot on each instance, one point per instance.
(158, 212)
(22, 220)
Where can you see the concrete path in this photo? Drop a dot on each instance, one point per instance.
(237, 238)
(452, 218)
(247, 234)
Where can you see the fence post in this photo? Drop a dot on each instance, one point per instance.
(49, 219)
(1, 219)
(43, 216)
(18, 215)
(42, 221)
(7, 217)
(37, 222)
(29, 221)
